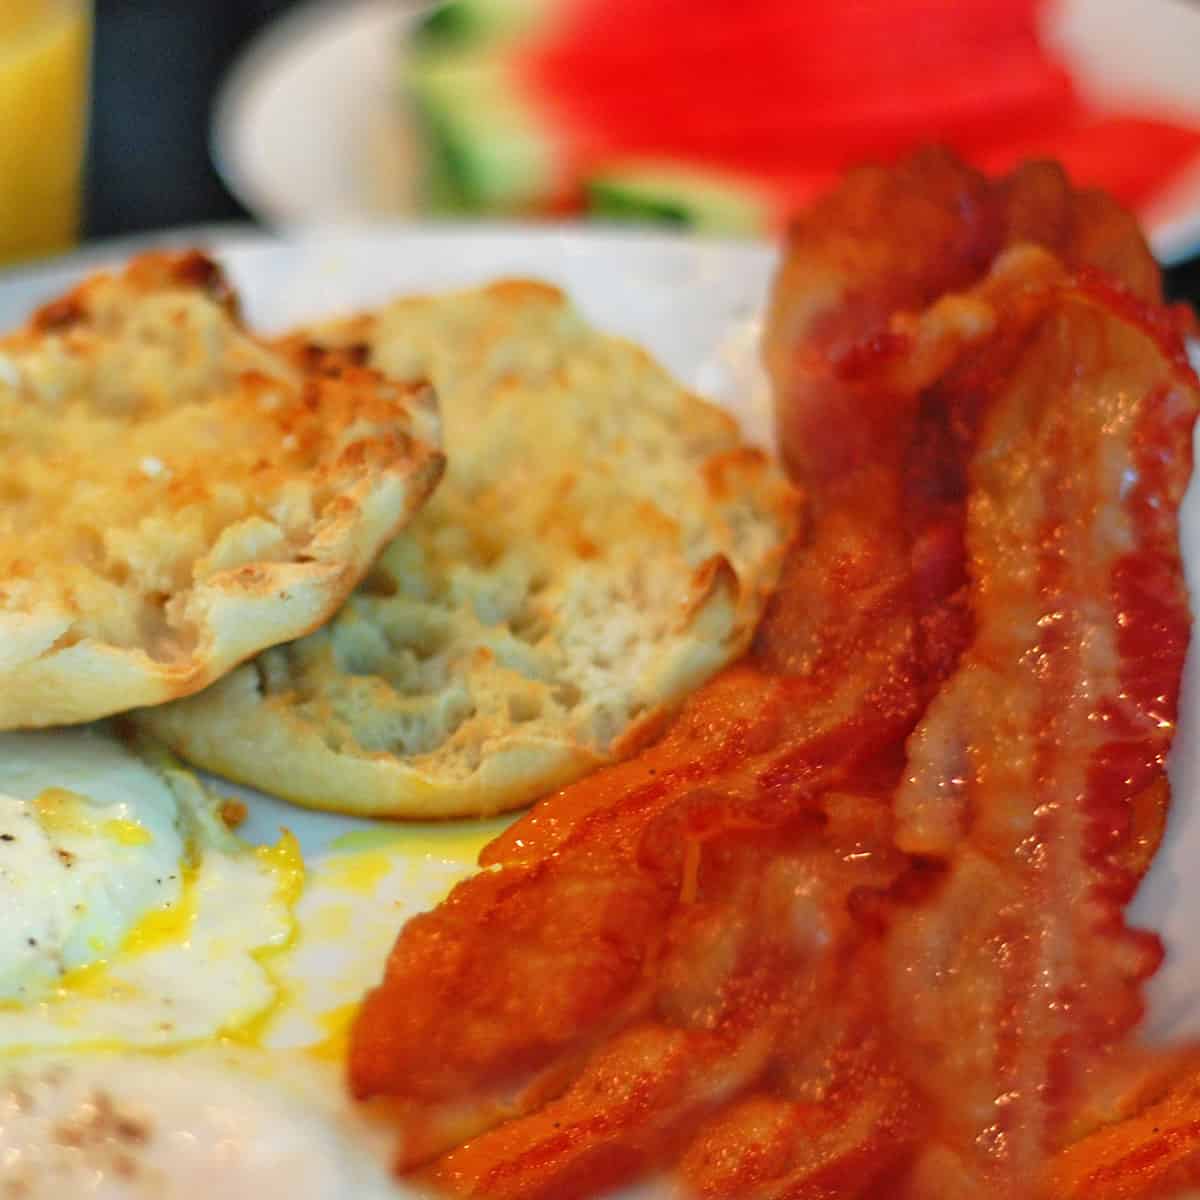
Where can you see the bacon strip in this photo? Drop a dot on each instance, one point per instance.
(743, 980)
(893, 240)
(1023, 775)
(1150, 1151)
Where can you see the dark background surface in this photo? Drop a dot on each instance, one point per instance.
(157, 66)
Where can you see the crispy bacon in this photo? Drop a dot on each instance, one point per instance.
(1019, 972)
(854, 926)
(1040, 758)
(745, 974)
(890, 241)
(1146, 1146)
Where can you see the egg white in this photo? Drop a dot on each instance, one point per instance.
(214, 1009)
(137, 920)
(358, 894)
(187, 1126)
(89, 842)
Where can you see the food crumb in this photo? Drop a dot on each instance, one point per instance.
(233, 813)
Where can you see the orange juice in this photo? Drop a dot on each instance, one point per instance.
(44, 56)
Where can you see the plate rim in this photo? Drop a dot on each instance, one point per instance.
(218, 236)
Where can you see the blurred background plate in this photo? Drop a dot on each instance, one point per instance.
(310, 124)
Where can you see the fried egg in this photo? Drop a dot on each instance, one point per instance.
(132, 916)
(178, 1126)
(358, 892)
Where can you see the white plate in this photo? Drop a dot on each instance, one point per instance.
(307, 127)
(696, 304)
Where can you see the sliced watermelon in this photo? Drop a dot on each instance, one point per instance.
(488, 149)
(726, 117)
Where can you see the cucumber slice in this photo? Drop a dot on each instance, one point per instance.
(689, 197)
(467, 23)
(487, 150)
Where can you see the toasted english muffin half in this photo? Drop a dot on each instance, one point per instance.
(176, 495)
(602, 543)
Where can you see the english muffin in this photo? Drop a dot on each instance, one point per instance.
(602, 543)
(176, 495)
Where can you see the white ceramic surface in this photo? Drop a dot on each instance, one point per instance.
(696, 304)
(307, 127)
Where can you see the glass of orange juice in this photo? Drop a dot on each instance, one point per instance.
(45, 50)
